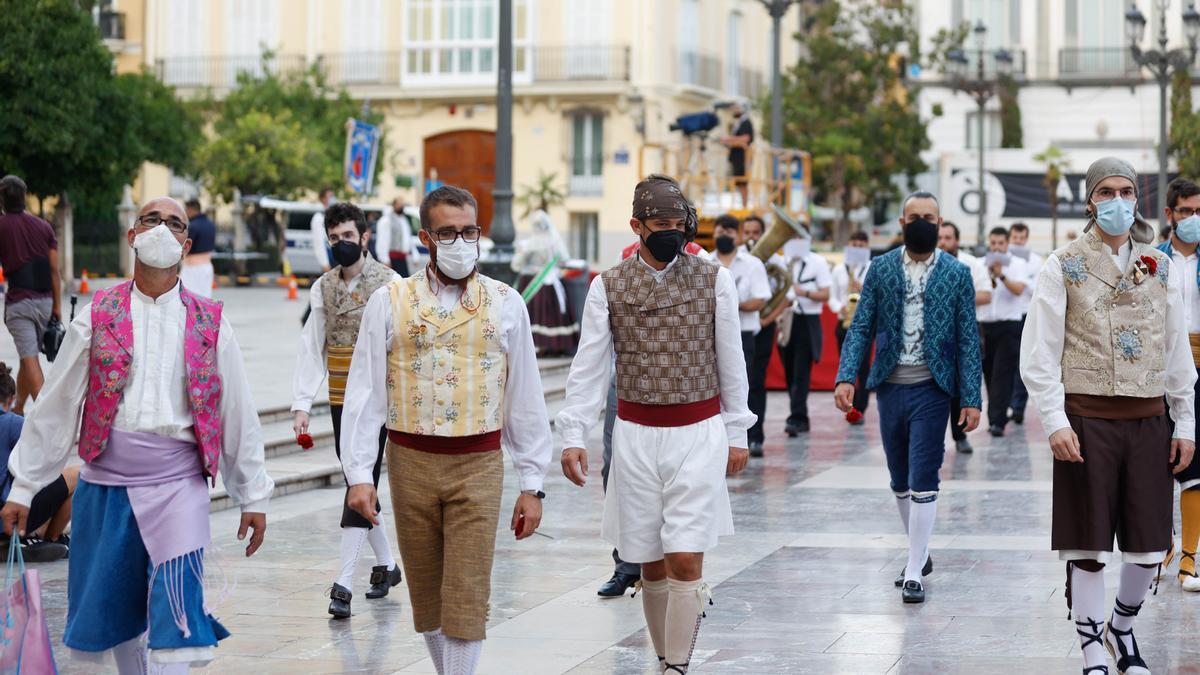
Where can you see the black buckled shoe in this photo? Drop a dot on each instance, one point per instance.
(1128, 662)
(339, 602)
(382, 581)
(913, 592)
(925, 571)
(618, 585)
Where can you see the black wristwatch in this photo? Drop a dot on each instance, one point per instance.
(539, 494)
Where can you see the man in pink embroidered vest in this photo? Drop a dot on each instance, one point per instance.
(153, 378)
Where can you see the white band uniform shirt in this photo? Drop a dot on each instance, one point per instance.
(750, 278)
(811, 272)
(1005, 305)
(839, 292)
(1191, 293)
(643, 517)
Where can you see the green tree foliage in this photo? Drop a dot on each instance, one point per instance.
(1011, 135)
(67, 122)
(544, 194)
(1184, 138)
(1057, 164)
(315, 115)
(846, 104)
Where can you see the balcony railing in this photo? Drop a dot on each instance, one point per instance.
(221, 72)
(750, 83)
(361, 68)
(1096, 62)
(581, 63)
(991, 65)
(112, 25)
(698, 70)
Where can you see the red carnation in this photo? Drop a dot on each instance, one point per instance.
(854, 416)
(1151, 264)
(305, 441)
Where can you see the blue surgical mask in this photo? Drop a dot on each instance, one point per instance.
(1188, 229)
(1115, 216)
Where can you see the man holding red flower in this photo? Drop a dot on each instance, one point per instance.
(1105, 340)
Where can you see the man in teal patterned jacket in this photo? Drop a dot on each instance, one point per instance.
(918, 304)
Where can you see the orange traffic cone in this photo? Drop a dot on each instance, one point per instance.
(293, 291)
(83, 283)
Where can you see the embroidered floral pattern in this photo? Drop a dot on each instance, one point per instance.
(1074, 269)
(1127, 343)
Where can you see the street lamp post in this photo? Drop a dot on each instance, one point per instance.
(776, 8)
(502, 231)
(1162, 63)
(981, 88)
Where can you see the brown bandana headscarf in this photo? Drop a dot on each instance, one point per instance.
(659, 196)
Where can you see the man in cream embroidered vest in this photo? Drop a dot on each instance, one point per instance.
(153, 378)
(671, 319)
(445, 359)
(338, 299)
(1183, 213)
(1104, 340)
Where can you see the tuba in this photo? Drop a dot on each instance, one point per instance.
(847, 314)
(782, 229)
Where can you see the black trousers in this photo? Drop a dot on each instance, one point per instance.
(1001, 356)
(862, 396)
(801, 352)
(764, 344)
(350, 517)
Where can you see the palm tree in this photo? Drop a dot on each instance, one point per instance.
(543, 195)
(1057, 164)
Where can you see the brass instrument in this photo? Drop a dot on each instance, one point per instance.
(851, 306)
(782, 229)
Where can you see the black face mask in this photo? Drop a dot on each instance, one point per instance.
(920, 236)
(664, 245)
(725, 244)
(346, 253)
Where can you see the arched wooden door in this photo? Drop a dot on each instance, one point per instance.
(466, 159)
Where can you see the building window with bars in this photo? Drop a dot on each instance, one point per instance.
(587, 154)
(454, 41)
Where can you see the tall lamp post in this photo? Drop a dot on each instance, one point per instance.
(1162, 63)
(777, 8)
(980, 87)
(502, 231)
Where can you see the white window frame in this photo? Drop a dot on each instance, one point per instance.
(253, 24)
(993, 130)
(186, 62)
(590, 182)
(361, 60)
(689, 42)
(733, 54)
(427, 51)
(584, 233)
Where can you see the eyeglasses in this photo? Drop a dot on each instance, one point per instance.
(151, 220)
(1184, 211)
(1106, 193)
(447, 236)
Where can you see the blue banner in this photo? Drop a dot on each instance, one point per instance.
(362, 151)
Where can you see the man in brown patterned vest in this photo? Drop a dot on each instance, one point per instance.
(672, 321)
(327, 343)
(1104, 341)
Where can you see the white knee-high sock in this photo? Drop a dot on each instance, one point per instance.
(903, 502)
(378, 539)
(462, 656)
(654, 606)
(435, 642)
(352, 541)
(169, 668)
(920, 530)
(684, 607)
(130, 657)
(1135, 583)
(1087, 604)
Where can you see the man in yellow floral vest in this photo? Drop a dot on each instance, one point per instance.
(1104, 341)
(671, 320)
(338, 298)
(445, 359)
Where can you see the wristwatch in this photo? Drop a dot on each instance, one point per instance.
(534, 493)
(1003, 278)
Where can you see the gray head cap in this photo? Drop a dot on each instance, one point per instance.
(1106, 167)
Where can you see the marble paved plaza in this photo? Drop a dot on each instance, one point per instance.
(805, 586)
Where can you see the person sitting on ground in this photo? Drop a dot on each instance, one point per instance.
(51, 508)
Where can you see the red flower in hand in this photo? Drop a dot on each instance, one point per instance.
(1151, 264)
(854, 416)
(305, 441)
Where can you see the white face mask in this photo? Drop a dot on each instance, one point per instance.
(457, 260)
(158, 247)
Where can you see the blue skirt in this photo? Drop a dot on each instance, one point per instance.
(110, 598)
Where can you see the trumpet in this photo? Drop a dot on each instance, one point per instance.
(848, 310)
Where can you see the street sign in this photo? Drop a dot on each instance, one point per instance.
(362, 151)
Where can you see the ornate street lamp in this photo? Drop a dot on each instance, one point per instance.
(981, 87)
(1162, 63)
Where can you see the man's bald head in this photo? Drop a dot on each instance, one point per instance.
(164, 207)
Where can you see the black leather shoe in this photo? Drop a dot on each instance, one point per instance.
(618, 585)
(756, 449)
(37, 550)
(795, 429)
(339, 602)
(963, 446)
(382, 581)
(996, 430)
(913, 592)
(925, 571)
(1018, 417)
